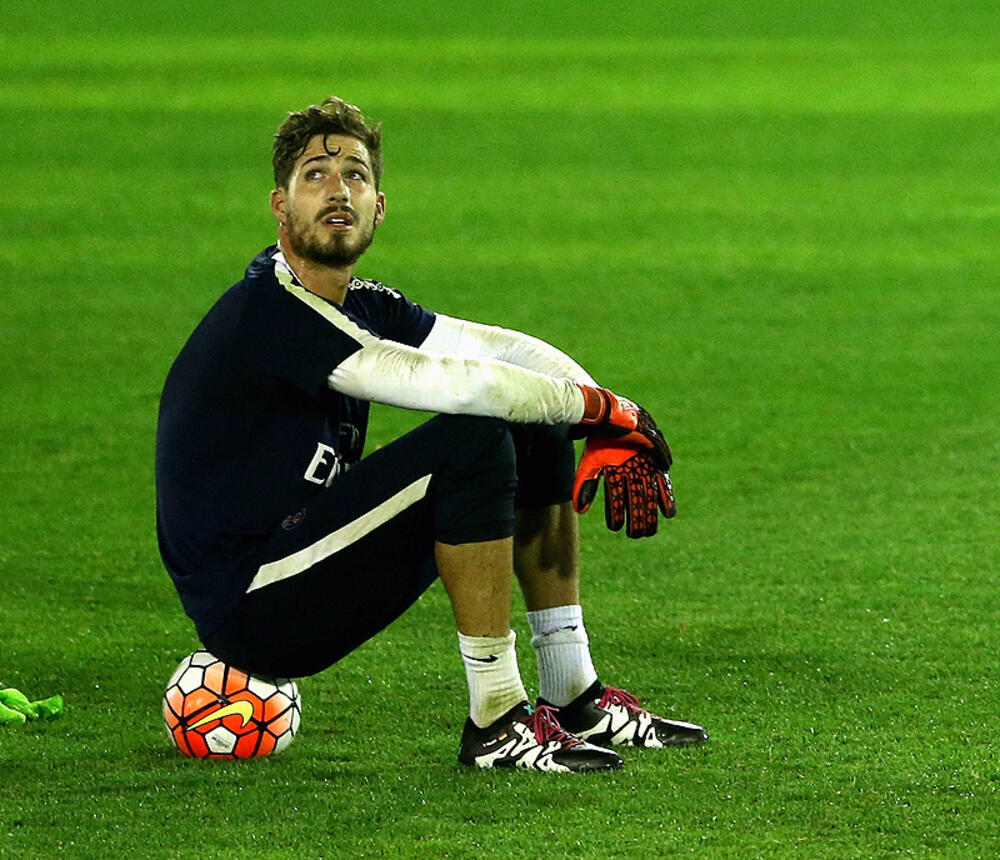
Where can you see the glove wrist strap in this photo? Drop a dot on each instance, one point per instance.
(596, 405)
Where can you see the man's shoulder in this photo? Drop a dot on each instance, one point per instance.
(362, 285)
(250, 297)
(261, 267)
(387, 312)
(259, 283)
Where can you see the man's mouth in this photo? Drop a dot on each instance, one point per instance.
(338, 220)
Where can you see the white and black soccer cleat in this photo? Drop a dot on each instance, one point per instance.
(531, 739)
(605, 715)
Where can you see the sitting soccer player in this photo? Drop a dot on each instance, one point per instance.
(289, 550)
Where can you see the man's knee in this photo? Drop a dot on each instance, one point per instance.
(477, 443)
(475, 484)
(546, 465)
(472, 426)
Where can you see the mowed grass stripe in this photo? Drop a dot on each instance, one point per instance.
(827, 76)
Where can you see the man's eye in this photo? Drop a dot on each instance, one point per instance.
(314, 174)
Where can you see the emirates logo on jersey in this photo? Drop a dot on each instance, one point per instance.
(324, 466)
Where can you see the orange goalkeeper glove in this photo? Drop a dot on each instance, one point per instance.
(634, 488)
(612, 417)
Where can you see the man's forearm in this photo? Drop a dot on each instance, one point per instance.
(387, 372)
(475, 340)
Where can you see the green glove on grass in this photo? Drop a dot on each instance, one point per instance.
(16, 708)
(9, 715)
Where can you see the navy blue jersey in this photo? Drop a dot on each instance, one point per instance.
(248, 427)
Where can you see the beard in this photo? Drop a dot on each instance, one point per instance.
(334, 250)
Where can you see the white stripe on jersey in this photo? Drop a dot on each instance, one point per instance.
(285, 276)
(301, 561)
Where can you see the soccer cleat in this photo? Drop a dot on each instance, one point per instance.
(531, 739)
(604, 715)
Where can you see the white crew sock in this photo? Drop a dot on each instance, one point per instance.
(563, 650)
(494, 680)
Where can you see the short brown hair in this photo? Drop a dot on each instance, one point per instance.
(334, 116)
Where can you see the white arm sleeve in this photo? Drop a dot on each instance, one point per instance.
(388, 372)
(475, 340)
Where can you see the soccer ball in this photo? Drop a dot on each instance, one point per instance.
(214, 710)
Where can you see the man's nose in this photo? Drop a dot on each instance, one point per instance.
(337, 188)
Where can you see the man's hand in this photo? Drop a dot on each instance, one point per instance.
(634, 488)
(607, 415)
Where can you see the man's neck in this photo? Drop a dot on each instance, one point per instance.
(329, 282)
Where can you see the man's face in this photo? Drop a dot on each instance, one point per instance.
(330, 208)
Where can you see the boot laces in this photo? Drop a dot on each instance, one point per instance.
(546, 727)
(613, 696)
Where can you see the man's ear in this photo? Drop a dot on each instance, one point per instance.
(379, 209)
(278, 205)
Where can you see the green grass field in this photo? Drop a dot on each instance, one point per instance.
(775, 224)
